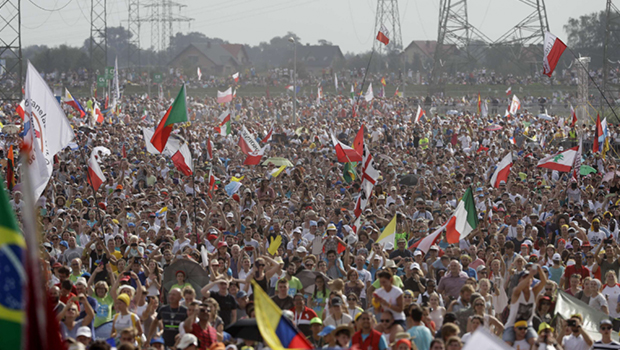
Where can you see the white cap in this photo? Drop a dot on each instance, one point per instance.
(414, 266)
(417, 252)
(187, 340)
(302, 250)
(434, 247)
(82, 281)
(84, 332)
(556, 257)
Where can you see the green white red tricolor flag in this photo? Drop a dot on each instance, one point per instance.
(177, 113)
(464, 220)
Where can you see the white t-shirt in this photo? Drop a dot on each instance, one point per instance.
(521, 345)
(611, 294)
(391, 297)
(574, 343)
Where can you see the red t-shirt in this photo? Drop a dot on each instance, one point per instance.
(207, 337)
(304, 317)
(571, 270)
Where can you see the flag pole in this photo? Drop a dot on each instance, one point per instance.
(365, 74)
(594, 81)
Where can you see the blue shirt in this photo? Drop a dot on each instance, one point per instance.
(471, 272)
(421, 336)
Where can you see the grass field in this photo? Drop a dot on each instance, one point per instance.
(411, 90)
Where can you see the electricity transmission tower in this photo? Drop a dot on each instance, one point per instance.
(133, 27)
(163, 14)
(98, 35)
(10, 51)
(459, 42)
(387, 15)
(612, 25)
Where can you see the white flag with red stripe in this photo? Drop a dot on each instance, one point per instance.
(236, 77)
(574, 117)
(21, 107)
(562, 161)
(267, 138)
(502, 171)
(95, 175)
(212, 179)
(419, 114)
(425, 243)
(344, 153)
(553, 50)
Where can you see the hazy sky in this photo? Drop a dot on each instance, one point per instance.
(348, 23)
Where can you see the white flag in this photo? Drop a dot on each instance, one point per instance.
(515, 105)
(49, 129)
(369, 95)
(116, 92)
(199, 73)
(336, 81)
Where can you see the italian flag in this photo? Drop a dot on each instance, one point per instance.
(464, 220)
(177, 113)
(224, 127)
(562, 161)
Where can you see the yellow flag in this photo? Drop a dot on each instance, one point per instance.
(274, 245)
(237, 179)
(278, 171)
(389, 232)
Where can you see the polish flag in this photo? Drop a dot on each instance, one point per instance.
(509, 90)
(97, 112)
(419, 114)
(226, 96)
(95, 175)
(502, 171)
(344, 153)
(574, 115)
(553, 50)
(267, 138)
(212, 179)
(382, 36)
(236, 77)
(254, 157)
(21, 107)
(425, 243)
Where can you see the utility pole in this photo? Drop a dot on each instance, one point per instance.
(133, 27)
(387, 15)
(10, 51)
(98, 35)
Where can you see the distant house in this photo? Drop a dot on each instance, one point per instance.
(315, 58)
(422, 52)
(212, 58)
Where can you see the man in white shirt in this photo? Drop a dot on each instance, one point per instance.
(578, 339)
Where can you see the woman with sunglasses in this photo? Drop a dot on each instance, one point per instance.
(490, 322)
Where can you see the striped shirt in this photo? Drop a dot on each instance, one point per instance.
(599, 345)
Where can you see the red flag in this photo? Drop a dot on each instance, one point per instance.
(344, 153)
(479, 103)
(254, 157)
(95, 175)
(574, 116)
(124, 151)
(20, 109)
(10, 169)
(209, 149)
(382, 36)
(358, 142)
(482, 149)
(553, 49)
(267, 138)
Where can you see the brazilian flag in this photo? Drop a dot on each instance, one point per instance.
(12, 276)
(348, 172)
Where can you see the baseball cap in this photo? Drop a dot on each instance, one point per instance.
(414, 266)
(326, 330)
(336, 301)
(84, 332)
(157, 340)
(82, 281)
(316, 320)
(302, 250)
(187, 340)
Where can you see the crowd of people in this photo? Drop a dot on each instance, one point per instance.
(112, 256)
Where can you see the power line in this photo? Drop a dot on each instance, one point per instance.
(50, 10)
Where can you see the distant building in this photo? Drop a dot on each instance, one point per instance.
(421, 53)
(212, 58)
(317, 59)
